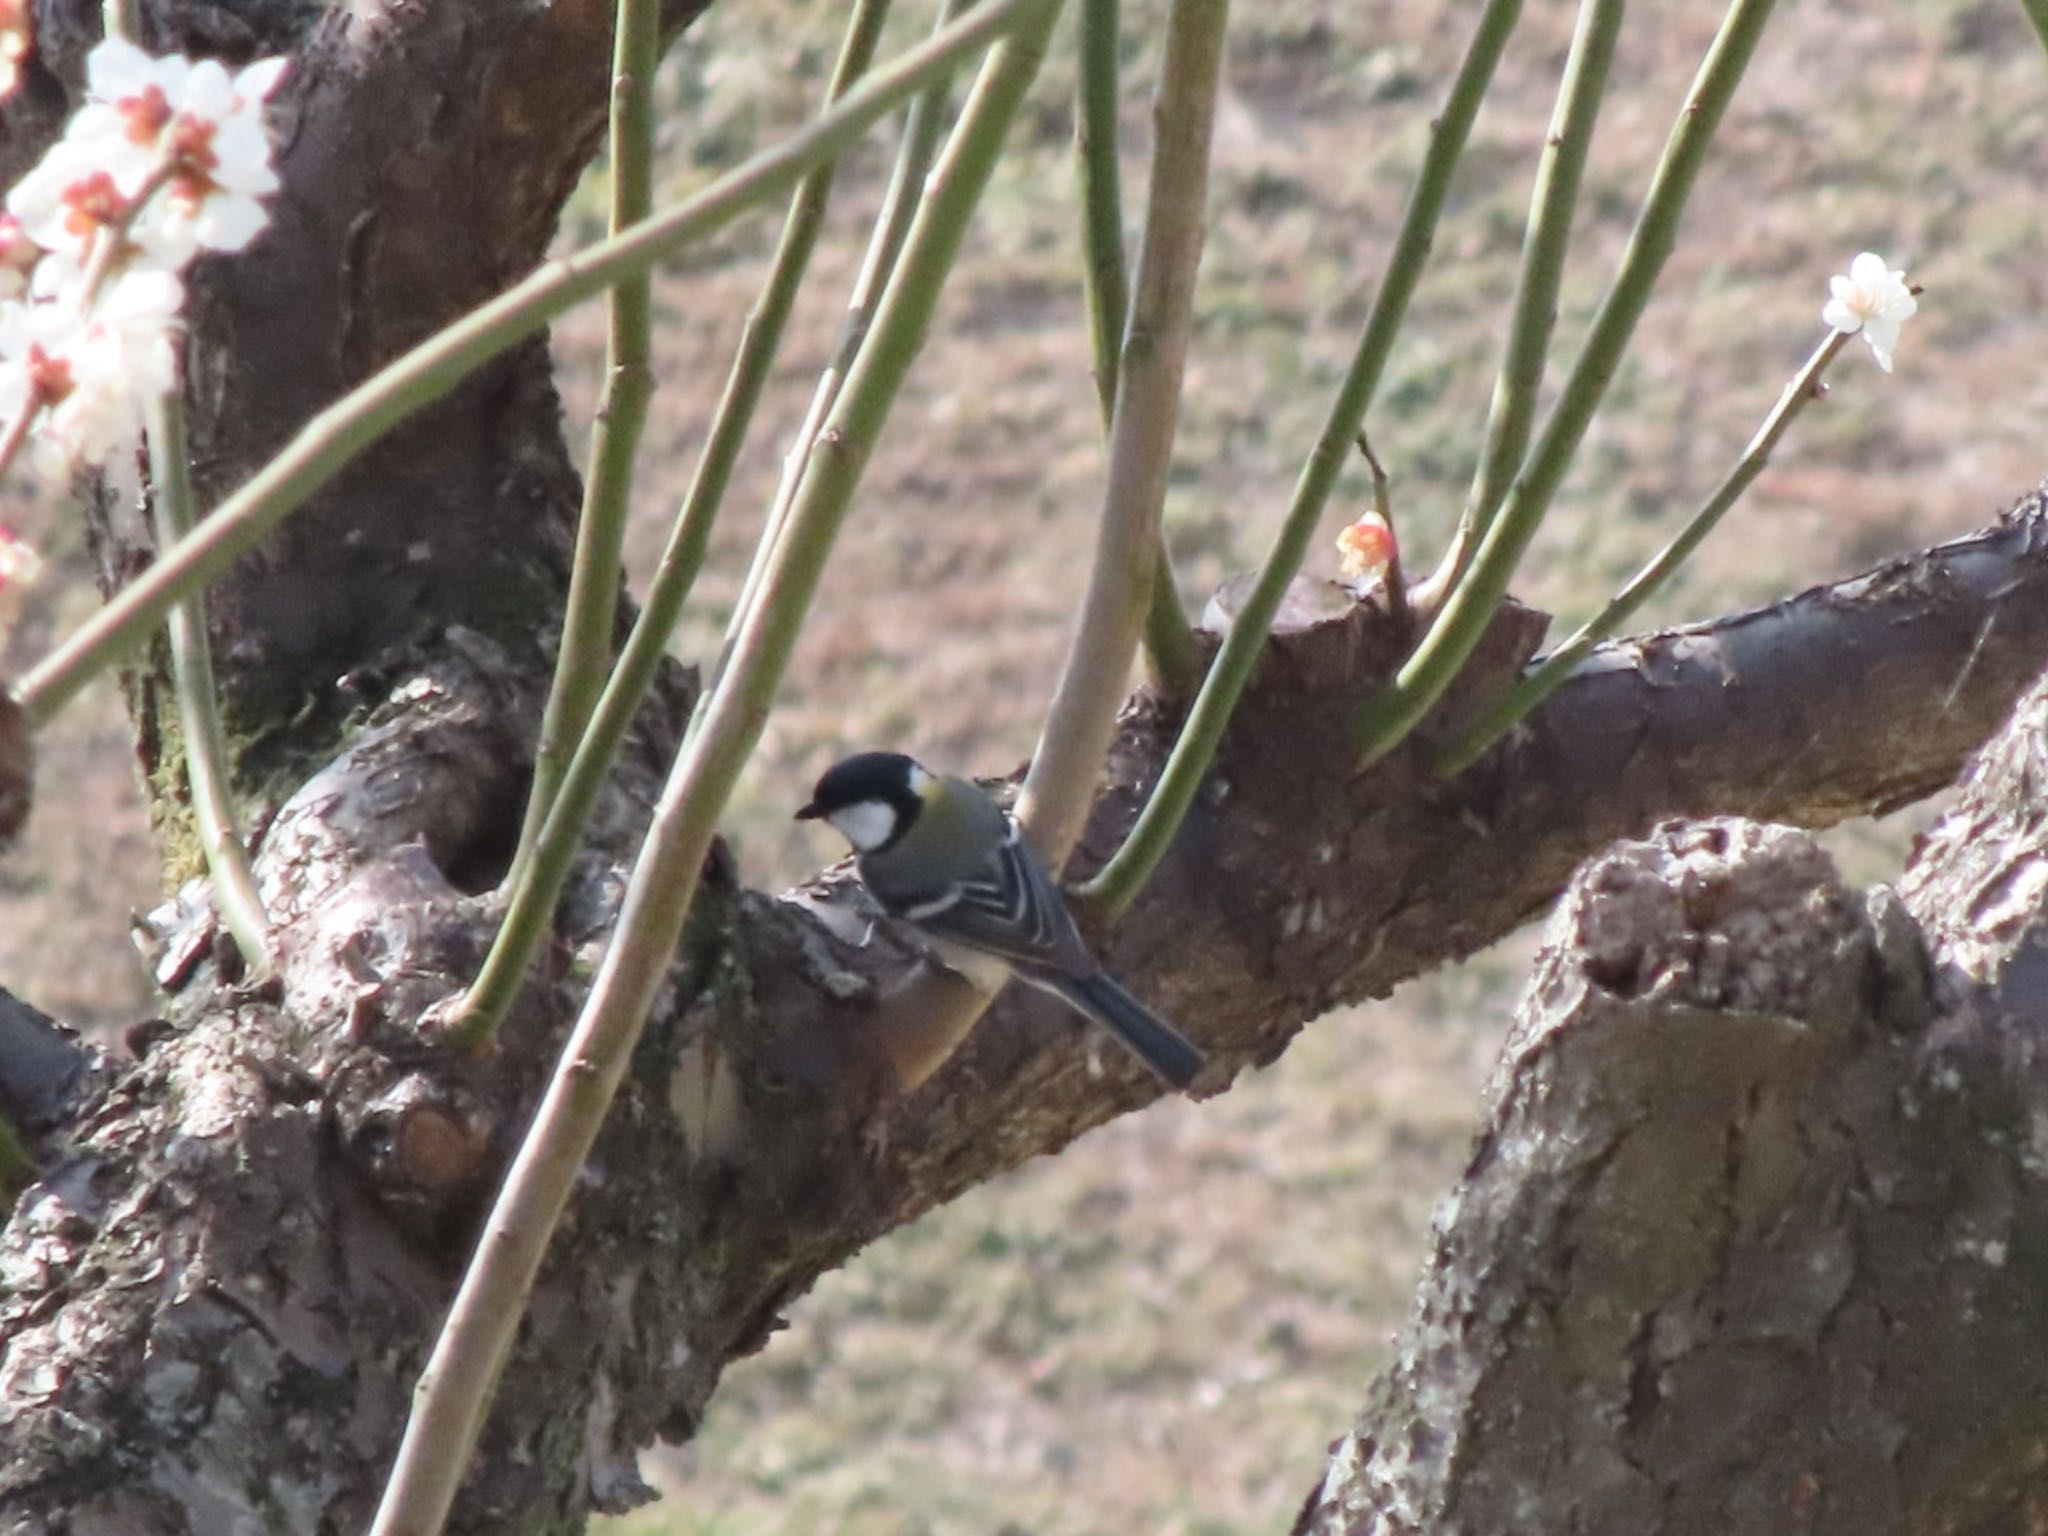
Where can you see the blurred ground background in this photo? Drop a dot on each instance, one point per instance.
(1160, 1329)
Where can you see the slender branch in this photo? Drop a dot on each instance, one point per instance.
(1061, 784)
(198, 700)
(1125, 875)
(1383, 504)
(582, 658)
(1099, 181)
(1552, 201)
(1170, 650)
(2037, 13)
(449, 1405)
(15, 433)
(1400, 706)
(538, 885)
(1169, 643)
(921, 134)
(1538, 684)
(326, 444)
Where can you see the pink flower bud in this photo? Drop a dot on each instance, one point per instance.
(1366, 548)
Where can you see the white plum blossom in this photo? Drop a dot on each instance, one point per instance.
(167, 159)
(187, 138)
(1873, 301)
(194, 124)
(133, 294)
(68, 198)
(88, 370)
(34, 341)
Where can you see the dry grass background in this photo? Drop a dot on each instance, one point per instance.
(1161, 1328)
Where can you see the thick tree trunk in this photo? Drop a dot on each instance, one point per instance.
(213, 1305)
(1754, 1237)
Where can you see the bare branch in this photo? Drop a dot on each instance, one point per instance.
(1747, 1241)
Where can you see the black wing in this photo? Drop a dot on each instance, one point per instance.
(1010, 909)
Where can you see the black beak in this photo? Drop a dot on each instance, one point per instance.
(811, 812)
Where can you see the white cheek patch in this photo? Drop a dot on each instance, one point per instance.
(867, 825)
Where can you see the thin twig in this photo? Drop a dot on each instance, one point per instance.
(538, 885)
(1169, 643)
(1538, 684)
(1388, 717)
(1119, 882)
(922, 130)
(17, 429)
(1061, 784)
(1098, 178)
(1512, 416)
(2037, 13)
(327, 443)
(1394, 580)
(592, 606)
(455, 1390)
(198, 700)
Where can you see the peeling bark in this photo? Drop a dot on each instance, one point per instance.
(214, 1304)
(1754, 1235)
(247, 1240)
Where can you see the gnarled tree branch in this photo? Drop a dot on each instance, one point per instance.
(1752, 1238)
(212, 1306)
(296, 1184)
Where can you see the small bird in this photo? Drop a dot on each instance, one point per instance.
(942, 855)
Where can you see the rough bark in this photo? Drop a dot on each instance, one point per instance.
(212, 1306)
(1754, 1237)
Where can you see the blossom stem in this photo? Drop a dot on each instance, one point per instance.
(591, 610)
(1539, 683)
(122, 19)
(460, 1377)
(537, 886)
(111, 239)
(1119, 882)
(17, 430)
(1061, 784)
(198, 701)
(1383, 504)
(332, 439)
(1388, 717)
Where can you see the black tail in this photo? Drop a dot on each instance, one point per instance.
(1137, 1028)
